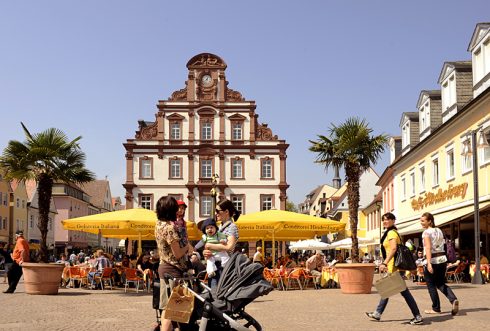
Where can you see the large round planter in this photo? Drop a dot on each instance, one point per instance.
(355, 278)
(42, 278)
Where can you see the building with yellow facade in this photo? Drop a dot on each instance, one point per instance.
(435, 171)
(5, 191)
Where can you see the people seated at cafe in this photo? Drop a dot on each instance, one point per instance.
(483, 259)
(289, 263)
(314, 266)
(453, 265)
(101, 262)
(144, 268)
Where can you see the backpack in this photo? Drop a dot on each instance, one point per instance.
(450, 250)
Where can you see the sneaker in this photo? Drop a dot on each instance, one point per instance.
(455, 309)
(373, 316)
(416, 320)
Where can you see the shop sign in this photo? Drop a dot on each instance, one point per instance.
(430, 198)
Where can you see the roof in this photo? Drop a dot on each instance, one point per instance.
(97, 190)
(411, 115)
(449, 66)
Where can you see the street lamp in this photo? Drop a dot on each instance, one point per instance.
(473, 151)
(214, 193)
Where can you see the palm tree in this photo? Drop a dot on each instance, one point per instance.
(352, 147)
(45, 157)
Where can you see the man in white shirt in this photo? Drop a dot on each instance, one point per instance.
(258, 257)
(314, 265)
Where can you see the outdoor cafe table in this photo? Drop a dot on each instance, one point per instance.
(485, 270)
(328, 274)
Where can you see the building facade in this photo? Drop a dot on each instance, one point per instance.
(203, 130)
(436, 173)
(5, 191)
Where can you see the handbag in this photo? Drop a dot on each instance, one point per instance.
(390, 284)
(404, 258)
(180, 305)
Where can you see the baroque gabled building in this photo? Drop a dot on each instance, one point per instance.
(203, 129)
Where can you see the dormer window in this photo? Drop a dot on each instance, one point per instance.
(424, 118)
(448, 93)
(406, 134)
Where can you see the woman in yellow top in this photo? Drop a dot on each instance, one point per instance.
(389, 241)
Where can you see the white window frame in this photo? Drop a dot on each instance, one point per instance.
(206, 130)
(146, 170)
(237, 168)
(404, 188)
(435, 171)
(205, 205)
(266, 168)
(145, 201)
(239, 202)
(206, 168)
(266, 202)
(412, 183)
(406, 134)
(175, 169)
(237, 131)
(450, 163)
(422, 177)
(175, 132)
(466, 160)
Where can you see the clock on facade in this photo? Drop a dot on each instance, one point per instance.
(206, 80)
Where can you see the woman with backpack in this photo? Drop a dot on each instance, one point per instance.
(435, 269)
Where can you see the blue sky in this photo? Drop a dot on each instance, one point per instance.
(94, 68)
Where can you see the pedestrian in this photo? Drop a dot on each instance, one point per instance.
(227, 214)
(172, 255)
(7, 261)
(389, 242)
(435, 269)
(19, 256)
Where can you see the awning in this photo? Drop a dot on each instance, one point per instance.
(441, 218)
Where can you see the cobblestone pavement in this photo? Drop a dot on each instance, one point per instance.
(80, 309)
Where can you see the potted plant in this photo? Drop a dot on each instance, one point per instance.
(45, 157)
(352, 147)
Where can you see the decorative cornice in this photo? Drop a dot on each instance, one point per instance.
(264, 133)
(180, 95)
(233, 96)
(206, 60)
(147, 132)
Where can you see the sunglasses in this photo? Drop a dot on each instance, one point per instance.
(218, 210)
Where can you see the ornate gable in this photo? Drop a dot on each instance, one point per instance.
(206, 61)
(147, 130)
(264, 133)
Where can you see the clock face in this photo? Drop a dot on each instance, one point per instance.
(206, 80)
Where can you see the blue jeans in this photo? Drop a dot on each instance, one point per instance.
(437, 280)
(408, 299)
(91, 275)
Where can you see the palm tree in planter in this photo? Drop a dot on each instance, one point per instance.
(352, 147)
(45, 157)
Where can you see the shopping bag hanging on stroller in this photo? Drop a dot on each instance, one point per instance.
(180, 305)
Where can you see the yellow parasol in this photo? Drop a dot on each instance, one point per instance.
(284, 225)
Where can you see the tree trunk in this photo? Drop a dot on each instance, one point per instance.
(353, 175)
(44, 191)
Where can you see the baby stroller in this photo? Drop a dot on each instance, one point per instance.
(241, 282)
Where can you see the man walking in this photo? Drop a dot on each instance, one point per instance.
(19, 255)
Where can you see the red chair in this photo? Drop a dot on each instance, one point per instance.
(105, 276)
(133, 277)
(294, 275)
